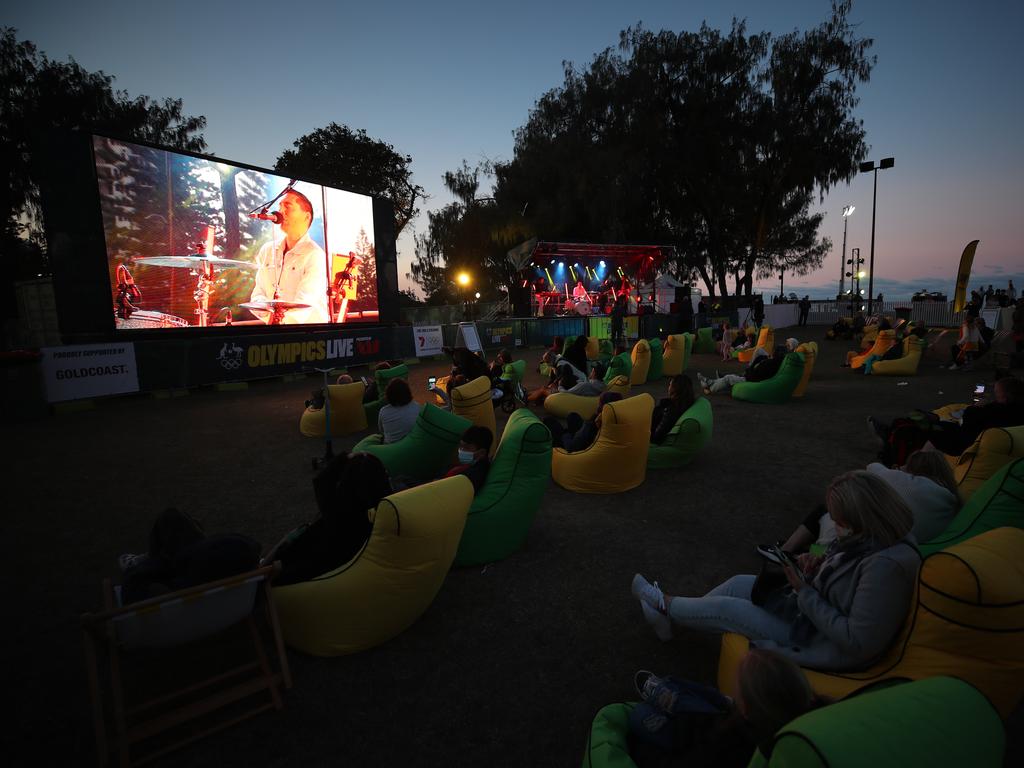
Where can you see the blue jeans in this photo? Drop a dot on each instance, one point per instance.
(727, 608)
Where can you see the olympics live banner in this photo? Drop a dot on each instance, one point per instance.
(89, 370)
(428, 340)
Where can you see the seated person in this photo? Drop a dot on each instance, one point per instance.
(858, 324)
(576, 354)
(465, 363)
(372, 393)
(594, 384)
(840, 611)
(985, 336)
(496, 369)
(1005, 410)
(474, 456)
(667, 412)
(578, 434)
(180, 555)
(398, 416)
(560, 370)
(687, 724)
(896, 350)
(744, 341)
(925, 483)
(346, 487)
(344, 379)
(760, 368)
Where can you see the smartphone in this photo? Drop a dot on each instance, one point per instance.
(786, 557)
(979, 392)
(431, 382)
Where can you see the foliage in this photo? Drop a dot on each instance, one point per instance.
(43, 95)
(712, 141)
(470, 234)
(340, 157)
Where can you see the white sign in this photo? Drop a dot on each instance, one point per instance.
(428, 340)
(469, 337)
(89, 370)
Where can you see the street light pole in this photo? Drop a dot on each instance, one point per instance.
(847, 211)
(886, 162)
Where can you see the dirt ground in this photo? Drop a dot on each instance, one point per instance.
(510, 663)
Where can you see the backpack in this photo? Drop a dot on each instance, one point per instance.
(905, 437)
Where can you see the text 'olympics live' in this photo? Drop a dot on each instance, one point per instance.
(287, 353)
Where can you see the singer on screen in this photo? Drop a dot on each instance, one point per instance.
(292, 269)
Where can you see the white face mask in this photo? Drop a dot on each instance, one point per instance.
(466, 457)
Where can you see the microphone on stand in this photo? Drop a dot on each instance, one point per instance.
(273, 216)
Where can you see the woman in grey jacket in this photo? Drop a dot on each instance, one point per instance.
(841, 611)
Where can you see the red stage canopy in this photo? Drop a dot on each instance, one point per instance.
(640, 260)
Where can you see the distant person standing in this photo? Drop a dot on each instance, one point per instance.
(759, 310)
(805, 309)
(1011, 292)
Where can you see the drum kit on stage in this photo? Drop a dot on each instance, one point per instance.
(203, 268)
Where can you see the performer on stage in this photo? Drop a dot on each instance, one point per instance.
(580, 291)
(293, 269)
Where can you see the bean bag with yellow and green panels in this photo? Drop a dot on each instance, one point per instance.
(689, 435)
(347, 412)
(427, 452)
(656, 369)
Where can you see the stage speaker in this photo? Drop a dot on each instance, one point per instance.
(519, 298)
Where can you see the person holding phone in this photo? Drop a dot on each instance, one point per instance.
(840, 610)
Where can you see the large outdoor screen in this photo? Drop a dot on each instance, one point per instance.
(197, 242)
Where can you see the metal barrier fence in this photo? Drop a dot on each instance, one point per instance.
(932, 313)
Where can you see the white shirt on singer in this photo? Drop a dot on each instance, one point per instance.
(303, 280)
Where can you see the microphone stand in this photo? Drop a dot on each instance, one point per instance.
(264, 207)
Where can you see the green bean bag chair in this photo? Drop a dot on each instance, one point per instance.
(620, 365)
(779, 388)
(514, 371)
(656, 368)
(705, 341)
(940, 721)
(607, 746)
(691, 432)
(998, 503)
(382, 377)
(424, 454)
(605, 350)
(503, 510)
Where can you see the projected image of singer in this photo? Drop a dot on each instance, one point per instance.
(292, 269)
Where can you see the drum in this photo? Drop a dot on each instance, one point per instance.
(584, 307)
(144, 318)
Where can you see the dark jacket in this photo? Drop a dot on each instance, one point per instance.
(763, 368)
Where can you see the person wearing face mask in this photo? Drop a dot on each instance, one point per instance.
(474, 461)
(840, 610)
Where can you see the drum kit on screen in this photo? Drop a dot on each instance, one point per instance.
(204, 269)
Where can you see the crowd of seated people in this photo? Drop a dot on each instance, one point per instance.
(760, 368)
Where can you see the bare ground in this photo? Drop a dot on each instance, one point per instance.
(511, 662)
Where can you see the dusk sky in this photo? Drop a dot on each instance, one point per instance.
(451, 80)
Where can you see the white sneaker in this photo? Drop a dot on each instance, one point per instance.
(660, 623)
(648, 593)
(953, 367)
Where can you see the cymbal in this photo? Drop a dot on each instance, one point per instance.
(271, 304)
(193, 261)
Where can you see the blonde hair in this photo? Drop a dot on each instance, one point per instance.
(773, 691)
(868, 506)
(933, 465)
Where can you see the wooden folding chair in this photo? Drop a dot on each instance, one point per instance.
(147, 631)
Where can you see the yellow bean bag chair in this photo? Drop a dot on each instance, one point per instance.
(561, 404)
(913, 348)
(886, 340)
(675, 356)
(347, 413)
(619, 384)
(593, 348)
(641, 357)
(966, 620)
(995, 448)
(765, 341)
(390, 582)
(617, 459)
(809, 349)
(473, 401)
(442, 384)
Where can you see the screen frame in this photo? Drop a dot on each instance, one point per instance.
(90, 218)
